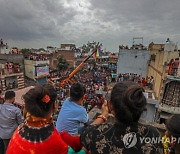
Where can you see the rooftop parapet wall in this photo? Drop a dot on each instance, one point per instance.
(36, 63)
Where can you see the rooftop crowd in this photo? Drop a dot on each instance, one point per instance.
(143, 81)
(9, 68)
(37, 57)
(36, 131)
(173, 67)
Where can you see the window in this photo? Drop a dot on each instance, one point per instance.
(153, 57)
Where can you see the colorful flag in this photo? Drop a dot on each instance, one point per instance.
(98, 53)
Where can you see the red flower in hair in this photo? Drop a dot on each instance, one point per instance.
(46, 99)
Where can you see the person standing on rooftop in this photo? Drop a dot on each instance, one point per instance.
(10, 118)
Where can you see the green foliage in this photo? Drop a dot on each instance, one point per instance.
(62, 64)
(25, 50)
(90, 46)
(41, 49)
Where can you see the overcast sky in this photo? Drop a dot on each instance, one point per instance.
(39, 23)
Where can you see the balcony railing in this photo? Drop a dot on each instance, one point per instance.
(174, 72)
(9, 72)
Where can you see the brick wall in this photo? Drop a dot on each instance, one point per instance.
(67, 54)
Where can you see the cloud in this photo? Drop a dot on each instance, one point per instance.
(28, 20)
(150, 19)
(40, 23)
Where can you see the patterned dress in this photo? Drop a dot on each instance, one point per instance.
(121, 139)
(36, 136)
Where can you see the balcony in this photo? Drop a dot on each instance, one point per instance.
(174, 72)
(10, 72)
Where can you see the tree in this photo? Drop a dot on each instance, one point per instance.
(86, 48)
(90, 46)
(25, 50)
(62, 64)
(41, 49)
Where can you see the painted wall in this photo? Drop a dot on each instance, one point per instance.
(133, 61)
(30, 65)
(29, 69)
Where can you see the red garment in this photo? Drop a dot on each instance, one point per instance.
(176, 64)
(170, 69)
(144, 83)
(52, 145)
(100, 101)
(73, 141)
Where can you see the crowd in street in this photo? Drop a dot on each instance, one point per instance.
(55, 118)
(74, 133)
(95, 82)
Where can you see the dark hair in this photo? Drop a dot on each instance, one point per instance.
(9, 95)
(77, 91)
(128, 101)
(173, 125)
(34, 103)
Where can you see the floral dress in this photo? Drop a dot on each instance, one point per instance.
(121, 139)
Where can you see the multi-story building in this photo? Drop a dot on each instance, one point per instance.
(112, 65)
(3, 47)
(161, 55)
(134, 60)
(11, 71)
(51, 49)
(66, 51)
(37, 70)
(170, 102)
(53, 60)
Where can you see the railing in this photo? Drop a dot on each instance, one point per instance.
(37, 59)
(6, 72)
(175, 72)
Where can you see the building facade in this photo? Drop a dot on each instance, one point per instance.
(67, 52)
(11, 71)
(3, 47)
(161, 55)
(170, 101)
(133, 61)
(37, 70)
